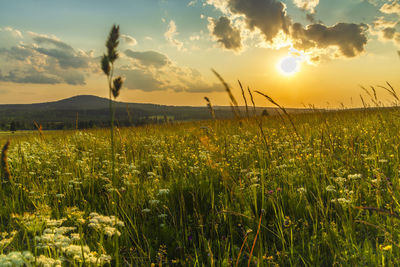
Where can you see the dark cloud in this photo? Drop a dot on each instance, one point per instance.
(72, 77)
(267, 15)
(388, 33)
(149, 58)
(270, 17)
(66, 56)
(46, 60)
(141, 79)
(311, 17)
(350, 38)
(31, 76)
(226, 33)
(16, 53)
(42, 39)
(173, 78)
(169, 77)
(66, 59)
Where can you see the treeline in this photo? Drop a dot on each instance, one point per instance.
(83, 124)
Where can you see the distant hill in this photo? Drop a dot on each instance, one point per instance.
(86, 111)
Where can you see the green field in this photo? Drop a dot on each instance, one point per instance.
(211, 193)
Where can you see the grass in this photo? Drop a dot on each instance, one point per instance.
(212, 193)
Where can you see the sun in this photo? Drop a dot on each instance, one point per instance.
(289, 65)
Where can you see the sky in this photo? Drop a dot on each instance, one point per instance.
(299, 52)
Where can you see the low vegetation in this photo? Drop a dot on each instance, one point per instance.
(208, 193)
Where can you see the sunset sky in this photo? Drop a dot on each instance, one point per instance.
(299, 52)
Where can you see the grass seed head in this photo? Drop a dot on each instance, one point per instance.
(117, 86)
(112, 43)
(4, 163)
(105, 65)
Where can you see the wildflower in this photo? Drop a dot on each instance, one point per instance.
(287, 222)
(106, 224)
(330, 188)
(110, 231)
(48, 262)
(7, 238)
(75, 237)
(339, 180)
(162, 216)
(163, 192)
(151, 174)
(50, 222)
(146, 210)
(354, 176)
(16, 258)
(301, 190)
(385, 248)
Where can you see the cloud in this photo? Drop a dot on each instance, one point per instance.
(386, 30)
(269, 16)
(388, 33)
(349, 38)
(175, 78)
(29, 76)
(128, 39)
(141, 79)
(170, 35)
(149, 58)
(308, 5)
(14, 32)
(153, 71)
(268, 19)
(9, 37)
(391, 8)
(46, 39)
(63, 53)
(226, 33)
(43, 59)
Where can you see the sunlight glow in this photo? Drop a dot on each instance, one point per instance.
(289, 65)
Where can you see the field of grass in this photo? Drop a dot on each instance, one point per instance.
(213, 193)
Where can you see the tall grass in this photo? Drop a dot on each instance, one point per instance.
(114, 84)
(191, 197)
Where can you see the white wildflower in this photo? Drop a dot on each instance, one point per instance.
(330, 188)
(44, 261)
(340, 180)
(354, 176)
(163, 192)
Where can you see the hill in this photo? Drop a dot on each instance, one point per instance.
(87, 111)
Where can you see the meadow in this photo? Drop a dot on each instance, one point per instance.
(244, 192)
